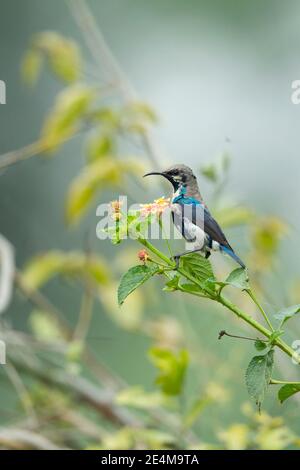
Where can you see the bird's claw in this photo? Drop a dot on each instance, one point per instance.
(176, 259)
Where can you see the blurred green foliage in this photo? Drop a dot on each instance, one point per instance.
(57, 385)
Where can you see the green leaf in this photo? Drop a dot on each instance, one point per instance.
(99, 146)
(260, 345)
(287, 313)
(200, 268)
(287, 391)
(191, 288)
(258, 376)
(70, 106)
(172, 369)
(134, 278)
(172, 284)
(108, 171)
(238, 278)
(63, 54)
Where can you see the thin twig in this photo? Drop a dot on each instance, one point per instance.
(16, 156)
(224, 333)
(253, 297)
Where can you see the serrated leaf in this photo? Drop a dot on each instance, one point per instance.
(200, 268)
(172, 369)
(287, 313)
(134, 278)
(238, 278)
(258, 375)
(288, 391)
(260, 345)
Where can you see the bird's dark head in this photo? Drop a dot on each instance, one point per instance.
(178, 175)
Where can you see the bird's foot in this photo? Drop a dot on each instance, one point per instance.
(176, 259)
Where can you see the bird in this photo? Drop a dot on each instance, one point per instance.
(191, 216)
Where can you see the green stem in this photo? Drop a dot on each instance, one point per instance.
(154, 250)
(255, 324)
(224, 301)
(282, 382)
(167, 260)
(165, 237)
(253, 297)
(247, 318)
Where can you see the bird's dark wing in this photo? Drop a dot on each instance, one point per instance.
(213, 229)
(196, 213)
(211, 226)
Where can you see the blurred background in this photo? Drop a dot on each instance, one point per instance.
(203, 83)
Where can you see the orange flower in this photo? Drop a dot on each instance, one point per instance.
(116, 209)
(143, 256)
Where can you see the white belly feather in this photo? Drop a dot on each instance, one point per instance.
(195, 236)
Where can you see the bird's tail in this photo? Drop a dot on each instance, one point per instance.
(231, 253)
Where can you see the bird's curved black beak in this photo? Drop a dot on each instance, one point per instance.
(165, 175)
(153, 173)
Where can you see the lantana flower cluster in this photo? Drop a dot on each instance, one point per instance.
(155, 208)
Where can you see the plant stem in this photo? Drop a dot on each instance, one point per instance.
(224, 333)
(255, 324)
(15, 156)
(225, 302)
(282, 382)
(241, 314)
(253, 297)
(167, 260)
